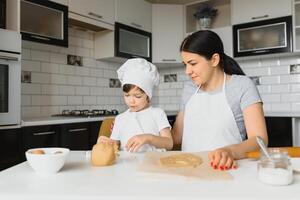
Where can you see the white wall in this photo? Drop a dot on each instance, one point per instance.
(57, 86)
(279, 89)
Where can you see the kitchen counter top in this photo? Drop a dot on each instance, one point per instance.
(282, 114)
(65, 120)
(79, 180)
(59, 120)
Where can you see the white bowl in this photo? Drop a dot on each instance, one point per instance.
(50, 162)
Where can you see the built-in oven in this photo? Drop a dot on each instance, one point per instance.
(10, 77)
(263, 37)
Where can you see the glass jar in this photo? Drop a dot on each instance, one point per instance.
(276, 172)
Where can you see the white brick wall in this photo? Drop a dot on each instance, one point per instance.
(57, 86)
(279, 89)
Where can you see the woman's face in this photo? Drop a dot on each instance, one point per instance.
(197, 67)
(136, 100)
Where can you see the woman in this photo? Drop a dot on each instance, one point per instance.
(221, 108)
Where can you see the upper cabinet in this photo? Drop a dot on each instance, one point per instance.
(96, 13)
(296, 30)
(63, 2)
(167, 32)
(135, 13)
(243, 11)
(13, 15)
(225, 34)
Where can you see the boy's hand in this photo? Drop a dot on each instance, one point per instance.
(104, 139)
(135, 142)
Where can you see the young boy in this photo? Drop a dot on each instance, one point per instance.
(142, 127)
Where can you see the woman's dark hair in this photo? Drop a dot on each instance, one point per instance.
(206, 43)
(128, 87)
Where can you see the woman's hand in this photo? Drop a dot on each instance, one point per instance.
(135, 142)
(222, 159)
(104, 139)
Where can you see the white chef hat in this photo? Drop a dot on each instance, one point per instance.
(139, 72)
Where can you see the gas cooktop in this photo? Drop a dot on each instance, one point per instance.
(87, 113)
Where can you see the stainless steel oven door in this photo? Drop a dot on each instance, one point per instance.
(10, 90)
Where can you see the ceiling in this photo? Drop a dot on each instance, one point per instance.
(172, 1)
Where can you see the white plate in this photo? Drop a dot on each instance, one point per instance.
(296, 164)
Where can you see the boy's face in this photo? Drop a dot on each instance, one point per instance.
(136, 100)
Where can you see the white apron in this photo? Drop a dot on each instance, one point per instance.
(209, 122)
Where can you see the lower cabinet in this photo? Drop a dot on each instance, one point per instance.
(75, 136)
(11, 152)
(280, 131)
(94, 132)
(40, 136)
(171, 119)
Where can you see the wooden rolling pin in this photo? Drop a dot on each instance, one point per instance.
(292, 151)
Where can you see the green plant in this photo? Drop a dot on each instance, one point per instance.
(205, 11)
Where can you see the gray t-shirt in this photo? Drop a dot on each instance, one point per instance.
(240, 91)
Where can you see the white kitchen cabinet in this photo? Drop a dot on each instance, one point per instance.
(13, 15)
(63, 2)
(167, 32)
(296, 25)
(99, 13)
(135, 13)
(243, 11)
(225, 34)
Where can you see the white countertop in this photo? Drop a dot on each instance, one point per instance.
(79, 180)
(39, 121)
(65, 120)
(281, 114)
(59, 120)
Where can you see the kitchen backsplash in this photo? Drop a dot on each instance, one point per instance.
(51, 84)
(278, 82)
(56, 85)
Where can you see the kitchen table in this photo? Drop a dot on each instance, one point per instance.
(79, 180)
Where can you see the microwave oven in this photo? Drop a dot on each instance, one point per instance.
(131, 42)
(263, 37)
(44, 22)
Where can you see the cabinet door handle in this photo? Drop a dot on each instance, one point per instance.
(95, 15)
(44, 133)
(77, 130)
(136, 25)
(39, 37)
(166, 60)
(9, 58)
(260, 17)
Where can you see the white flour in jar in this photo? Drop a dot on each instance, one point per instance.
(275, 176)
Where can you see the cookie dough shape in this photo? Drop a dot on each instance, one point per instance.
(181, 160)
(103, 154)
